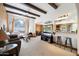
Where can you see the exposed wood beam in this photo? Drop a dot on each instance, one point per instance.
(34, 7)
(20, 14)
(6, 5)
(13, 24)
(53, 5)
(7, 20)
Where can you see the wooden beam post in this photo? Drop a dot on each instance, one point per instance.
(7, 22)
(13, 24)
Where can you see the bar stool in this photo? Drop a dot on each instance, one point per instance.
(59, 40)
(70, 42)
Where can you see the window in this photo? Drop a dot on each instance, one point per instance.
(47, 28)
(19, 25)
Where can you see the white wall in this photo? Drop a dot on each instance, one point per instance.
(2, 15)
(77, 6)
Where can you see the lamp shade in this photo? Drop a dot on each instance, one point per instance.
(3, 35)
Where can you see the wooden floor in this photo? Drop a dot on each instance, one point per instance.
(37, 47)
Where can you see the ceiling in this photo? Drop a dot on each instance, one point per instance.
(40, 12)
(25, 10)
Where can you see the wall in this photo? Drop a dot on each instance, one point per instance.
(77, 6)
(39, 28)
(3, 15)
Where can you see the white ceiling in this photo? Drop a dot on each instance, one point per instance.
(51, 12)
(43, 6)
(64, 8)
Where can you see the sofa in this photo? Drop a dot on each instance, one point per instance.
(13, 40)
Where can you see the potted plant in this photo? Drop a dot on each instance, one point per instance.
(3, 37)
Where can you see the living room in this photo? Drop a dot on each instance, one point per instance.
(31, 26)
